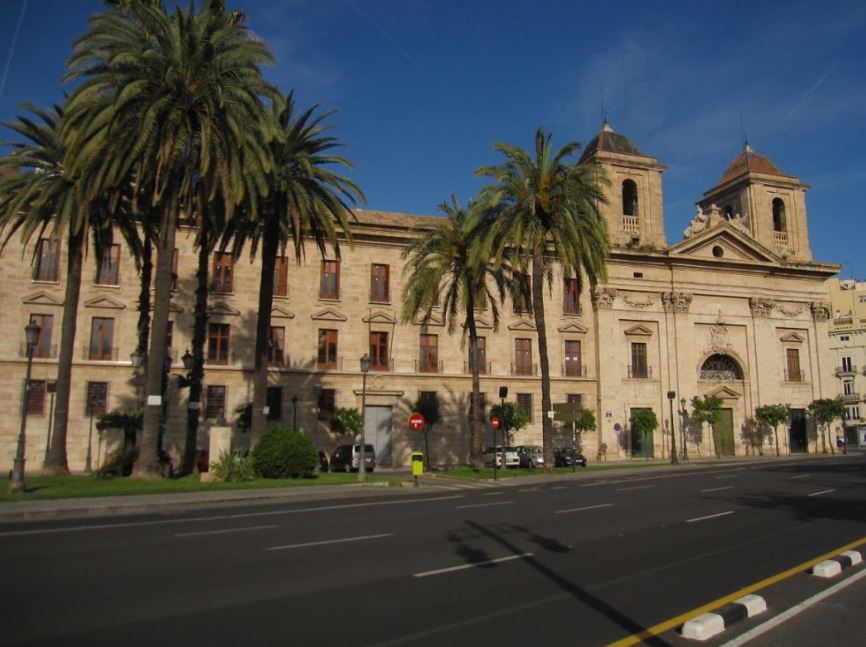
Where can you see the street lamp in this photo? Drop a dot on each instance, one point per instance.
(683, 430)
(16, 484)
(136, 358)
(671, 397)
(503, 393)
(362, 460)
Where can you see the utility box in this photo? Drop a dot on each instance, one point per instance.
(417, 464)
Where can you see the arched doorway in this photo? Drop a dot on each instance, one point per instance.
(720, 367)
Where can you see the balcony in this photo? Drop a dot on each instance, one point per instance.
(278, 359)
(384, 365)
(328, 363)
(795, 376)
(486, 368)
(428, 366)
(850, 398)
(640, 372)
(100, 354)
(780, 238)
(524, 369)
(847, 371)
(573, 369)
(630, 224)
(220, 359)
(39, 352)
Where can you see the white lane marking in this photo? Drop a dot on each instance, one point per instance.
(223, 531)
(716, 489)
(482, 505)
(636, 487)
(331, 541)
(528, 489)
(559, 487)
(587, 507)
(463, 567)
(492, 493)
(793, 611)
(162, 522)
(710, 516)
(800, 476)
(729, 476)
(821, 492)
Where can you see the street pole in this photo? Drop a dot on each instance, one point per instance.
(16, 483)
(87, 466)
(674, 461)
(573, 447)
(51, 386)
(684, 431)
(362, 460)
(503, 393)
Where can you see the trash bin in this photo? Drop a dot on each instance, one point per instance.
(417, 464)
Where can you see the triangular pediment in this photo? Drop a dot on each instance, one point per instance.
(433, 320)
(725, 393)
(222, 308)
(42, 299)
(328, 314)
(730, 242)
(380, 317)
(523, 324)
(482, 324)
(104, 302)
(639, 331)
(793, 338)
(573, 327)
(278, 312)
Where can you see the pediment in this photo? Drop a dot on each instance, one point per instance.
(380, 317)
(104, 302)
(222, 308)
(523, 325)
(573, 327)
(793, 338)
(432, 320)
(725, 393)
(42, 299)
(328, 314)
(278, 312)
(482, 324)
(639, 331)
(732, 243)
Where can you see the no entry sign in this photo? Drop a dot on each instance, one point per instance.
(416, 422)
(494, 422)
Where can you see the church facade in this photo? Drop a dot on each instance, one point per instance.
(736, 309)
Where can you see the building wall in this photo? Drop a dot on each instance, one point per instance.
(848, 352)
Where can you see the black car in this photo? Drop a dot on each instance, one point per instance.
(562, 458)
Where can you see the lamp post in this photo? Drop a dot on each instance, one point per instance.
(16, 484)
(51, 387)
(683, 430)
(674, 460)
(294, 413)
(362, 459)
(503, 393)
(136, 358)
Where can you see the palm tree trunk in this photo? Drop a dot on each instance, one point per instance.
(476, 458)
(258, 419)
(147, 464)
(56, 460)
(544, 363)
(144, 295)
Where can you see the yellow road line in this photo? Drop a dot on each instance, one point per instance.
(672, 623)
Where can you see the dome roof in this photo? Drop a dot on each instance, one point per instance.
(749, 162)
(609, 141)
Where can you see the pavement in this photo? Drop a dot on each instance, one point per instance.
(16, 511)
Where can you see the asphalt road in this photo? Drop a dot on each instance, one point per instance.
(587, 561)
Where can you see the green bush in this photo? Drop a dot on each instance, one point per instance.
(233, 467)
(120, 464)
(282, 453)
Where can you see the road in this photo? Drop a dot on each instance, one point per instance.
(585, 561)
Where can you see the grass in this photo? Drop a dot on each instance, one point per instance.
(72, 487)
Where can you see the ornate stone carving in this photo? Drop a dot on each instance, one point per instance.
(761, 307)
(719, 340)
(677, 301)
(603, 298)
(644, 302)
(697, 225)
(793, 311)
(820, 310)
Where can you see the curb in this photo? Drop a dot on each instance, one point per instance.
(711, 624)
(832, 567)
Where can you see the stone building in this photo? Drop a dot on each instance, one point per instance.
(736, 309)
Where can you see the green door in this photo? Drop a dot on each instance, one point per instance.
(723, 433)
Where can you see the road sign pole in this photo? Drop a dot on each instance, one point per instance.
(573, 446)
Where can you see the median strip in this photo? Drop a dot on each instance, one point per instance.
(463, 567)
(833, 566)
(715, 622)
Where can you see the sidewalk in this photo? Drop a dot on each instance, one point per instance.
(154, 503)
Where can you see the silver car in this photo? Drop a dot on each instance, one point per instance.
(531, 456)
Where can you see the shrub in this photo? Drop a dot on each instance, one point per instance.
(233, 467)
(282, 453)
(120, 463)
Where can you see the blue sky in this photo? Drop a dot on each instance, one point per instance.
(425, 87)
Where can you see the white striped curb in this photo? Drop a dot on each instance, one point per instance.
(832, 567)
(711, 624)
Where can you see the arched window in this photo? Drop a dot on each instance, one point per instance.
(720, 368)
(779, 215)
(629, 198)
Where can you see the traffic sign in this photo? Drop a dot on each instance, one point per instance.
(494, 422)
(416, 422)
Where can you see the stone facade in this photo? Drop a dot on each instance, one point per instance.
(721, 312)
(847, 303)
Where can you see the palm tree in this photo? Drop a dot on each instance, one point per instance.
(307, 199)
(448, 268)
(177, 99)
(547, 212)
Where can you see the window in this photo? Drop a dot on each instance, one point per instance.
(218, 337)
(847, 364)
(428, 395)
(845, 337)
(792, 365)
(863, 298)
(379, 290)
(327, 357)
(275, 402)
(36, 398)
(639, 366)
(482, 356)
(175, 261)
(852, 412)
(778, 215)
(379, 351)
(429, 354)
(572, 359)
(629, 198)
(277, 346)
(329, 286)
(570, 297)
(719, 367)
(327, 404)
(109, 270)
(223, 273)
(281, 277)
(97, 399)
(101, 339)
(47, 260)
(215, 402)
(574, 398)
(848, 387)
(524, 401)
(523, 357)
(522, 293)
(43, 340)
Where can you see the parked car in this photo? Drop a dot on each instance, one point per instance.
(324, 461)
(562, 458)
(531, 456)
(346, 458)
(492, 454)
